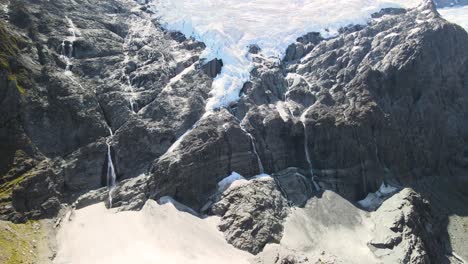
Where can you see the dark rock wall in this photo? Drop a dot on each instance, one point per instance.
(379, 103)
(54, 125)
(384, 101)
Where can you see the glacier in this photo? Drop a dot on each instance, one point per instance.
(229, 27)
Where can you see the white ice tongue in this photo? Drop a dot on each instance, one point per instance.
(227, 27)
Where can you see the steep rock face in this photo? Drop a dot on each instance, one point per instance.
(252, 214)
(330, 229)
(383, 101)
(82, 81)
(213, 148)
(406, 231)
(70, 78)
(39, 193)
(177, 107)
(294, 186)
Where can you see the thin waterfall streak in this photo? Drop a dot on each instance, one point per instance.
(67, 56)
(254, 148)
(67, 46)
(110, 174)
(309, 161)
(128, 87)
(111, 177)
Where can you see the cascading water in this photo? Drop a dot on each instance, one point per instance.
(139, 32)
(111, 177)
(67, 46)
(306, 149)
(67, 56)
(128, 87)
(254, 147)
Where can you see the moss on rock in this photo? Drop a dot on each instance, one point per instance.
(8, 47)
(9, 52)
(6, 189)
(19, 242)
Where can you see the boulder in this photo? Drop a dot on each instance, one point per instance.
(294, 186)
(252, 214)
(406, 232)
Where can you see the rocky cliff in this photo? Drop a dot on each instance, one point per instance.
(384, 101)
(91, 89)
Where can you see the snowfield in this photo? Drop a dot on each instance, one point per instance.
(159, 234)
(166, 234)
(457, 15)
(228, 27)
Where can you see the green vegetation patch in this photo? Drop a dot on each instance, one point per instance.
(6, 189)
(18, 81)
(9, 51)
(19, 242)
(8, 47)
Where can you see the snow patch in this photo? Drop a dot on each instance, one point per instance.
(177, 143)
(374, 200)
(179, 76)
(262, 176)
(156, 234)
(387, 189)
(229, 180)
(414, 31)
(228, 27)
(235, 180)
(391, 35)
(283, 111)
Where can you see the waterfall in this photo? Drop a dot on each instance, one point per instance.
(111, 177)
(67, 56)
(67, 46)
(128, 87)
(140, 31)
(254, 147)
(306, 149)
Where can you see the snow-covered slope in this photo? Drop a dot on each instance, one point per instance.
(156, 234)
(228, 27)
(457, 14)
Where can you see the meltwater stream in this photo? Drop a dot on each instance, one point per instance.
(138, 29)
(111, 177)
(261, 169)
(306, 149)
(128, 84)
(67, 46)
(254, 148)
(67, 56)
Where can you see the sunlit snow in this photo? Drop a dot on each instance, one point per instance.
(235, 180)
(374, 200)
(229, 180)
(228, 27)
(457, 14)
